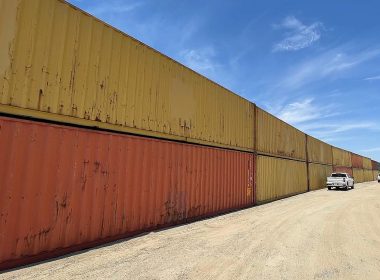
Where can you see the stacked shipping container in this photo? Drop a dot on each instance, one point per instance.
(126, 139)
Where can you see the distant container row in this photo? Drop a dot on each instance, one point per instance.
(60, 64)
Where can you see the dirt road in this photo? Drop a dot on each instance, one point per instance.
(317, 235)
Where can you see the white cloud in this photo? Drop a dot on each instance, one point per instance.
(200, 60)
(300, 36)
(113, 7)
(325, 66)
(304, 111)
(377, 149)
(372, 78)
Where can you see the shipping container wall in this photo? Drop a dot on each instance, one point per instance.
(343, 169)
(318, 151)
(277, 178)
(63, 187)
(358, 175)
(375, 174)
(318, 174)
(61, 64)
(368, 175)
(341, 157)
(357, 161)
(275, 137)
(367, 163)
(374, 165)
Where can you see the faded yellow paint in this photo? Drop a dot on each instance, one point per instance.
(67, 63)
(375, 174)
(368, 175)
(275, 137)
(367, 163)
(341, 157)
(277, 178)
(318, 151)
(318, 174)
(358, 175)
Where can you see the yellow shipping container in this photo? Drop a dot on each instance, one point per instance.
(375, 173)
(358, 175)
(318, 174)
(341, 157)
(318, 151)
(61, 64)
(368, 175)
(367, 163)
(275, 137)
(277, 178)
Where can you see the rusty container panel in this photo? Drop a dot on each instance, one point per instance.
(278, 178)
(367, 163)
(318, 174)
(341, 157)
(357, 161)
(374, 165)
(358, 175)
(343, 169)
(275, 137)
(368, 175)
(318, 151)
(64, 188)
(59, 63)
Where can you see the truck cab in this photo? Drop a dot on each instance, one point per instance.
(340, 180)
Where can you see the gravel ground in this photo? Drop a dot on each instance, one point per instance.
(317, 235)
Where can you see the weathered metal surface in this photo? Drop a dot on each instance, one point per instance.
(343, 169)
(358, 175)
(64, 187)
(275, 137)
(277, 178)
(357, 161)
(59, 63)
(367, 163)
(368, 175)
(318, 174)
(341, 157)
(318, 151)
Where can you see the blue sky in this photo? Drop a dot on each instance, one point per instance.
(314, 64)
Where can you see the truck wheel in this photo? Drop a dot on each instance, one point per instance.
(329, 188)
(353, 186)
(346, 188)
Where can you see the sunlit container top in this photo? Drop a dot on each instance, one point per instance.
(276, 137)
(318, 151)
(341, 157)
(61, 64)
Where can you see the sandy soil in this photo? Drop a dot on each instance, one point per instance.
(317, 235)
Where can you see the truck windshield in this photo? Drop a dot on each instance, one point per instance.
(338, 175)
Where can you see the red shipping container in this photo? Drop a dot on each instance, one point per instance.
(65, 189)
(357, 161)
(343, 169)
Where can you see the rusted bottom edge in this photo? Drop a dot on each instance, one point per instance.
(279, 198)
(27, 261)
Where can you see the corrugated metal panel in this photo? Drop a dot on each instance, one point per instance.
(374, 165)
(368, 175)
(358, 175)
(341, 157)
(278, 138)
(61, 64)
(63, 187)
(318, 151)
(375, 173)
(318, 174)
(343, 169)
(367, 163)
(277, 178)
(357, 161)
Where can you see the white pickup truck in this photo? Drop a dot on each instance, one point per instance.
(340, 180)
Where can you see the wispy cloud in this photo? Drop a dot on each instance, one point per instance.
(376, 149)
(113, 7)
(372, 78)
(298, 35)
(325, 66)
(201, 60)
(305, 110)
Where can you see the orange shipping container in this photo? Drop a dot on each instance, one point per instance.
(357, 161)
(343, 169)
(66, 188)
